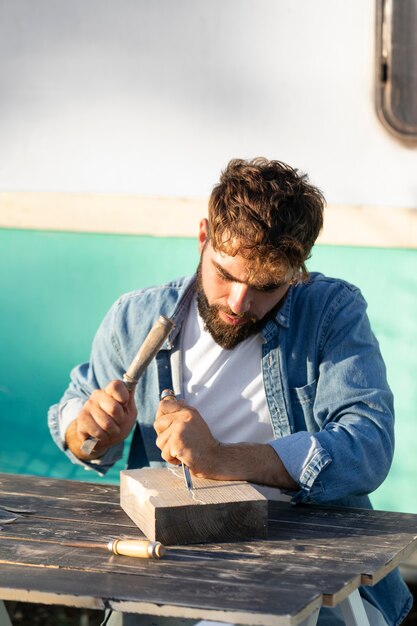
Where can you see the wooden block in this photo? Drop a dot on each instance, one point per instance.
(272, 494)
(158, 501)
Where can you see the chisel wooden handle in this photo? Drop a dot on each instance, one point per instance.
(148, 350)
(142, 549)
(139, 548)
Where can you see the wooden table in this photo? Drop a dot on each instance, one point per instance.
(313, 556)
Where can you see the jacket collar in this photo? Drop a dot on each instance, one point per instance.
(282, 318)
(180, 311)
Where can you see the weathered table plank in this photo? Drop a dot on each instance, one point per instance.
(22, 485)
(337, 580)
(233, 602)
(339, 517)
(68, 508)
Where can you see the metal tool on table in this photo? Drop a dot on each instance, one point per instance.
(139, 548)
(148, 350)
(185, 468)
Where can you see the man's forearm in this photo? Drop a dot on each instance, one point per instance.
(254, 462)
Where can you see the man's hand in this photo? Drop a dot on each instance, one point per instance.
(108, 415)
(184, 437)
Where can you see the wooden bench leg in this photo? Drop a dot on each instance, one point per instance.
(353, 610)
(206, 623)
(311, 620)
(4, 616)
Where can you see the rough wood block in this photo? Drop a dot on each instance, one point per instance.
(272, 494)
(158, 501)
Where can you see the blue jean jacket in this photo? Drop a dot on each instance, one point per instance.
(325, 384)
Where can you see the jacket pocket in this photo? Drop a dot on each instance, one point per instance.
(302, 401)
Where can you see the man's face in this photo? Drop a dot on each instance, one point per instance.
(232, 303)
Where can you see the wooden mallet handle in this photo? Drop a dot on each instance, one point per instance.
(148, 350)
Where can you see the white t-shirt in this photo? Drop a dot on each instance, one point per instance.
(225, 386)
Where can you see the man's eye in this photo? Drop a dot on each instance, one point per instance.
(267, 288)
(226, 279)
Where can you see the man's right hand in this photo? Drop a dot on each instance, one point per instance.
(108, 415)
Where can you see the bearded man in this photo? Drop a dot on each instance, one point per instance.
(277, 375)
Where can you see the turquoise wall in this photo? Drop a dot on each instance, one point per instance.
(56, 287)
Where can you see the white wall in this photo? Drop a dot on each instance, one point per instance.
(154, 97)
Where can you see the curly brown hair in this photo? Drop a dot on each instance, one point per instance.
(267, 212)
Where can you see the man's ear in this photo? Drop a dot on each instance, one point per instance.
(203, 234)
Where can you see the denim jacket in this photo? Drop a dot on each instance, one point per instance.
(325, 384)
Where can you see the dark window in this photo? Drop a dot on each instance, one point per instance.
(396, 79)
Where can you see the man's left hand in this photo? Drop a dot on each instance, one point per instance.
(184, 437)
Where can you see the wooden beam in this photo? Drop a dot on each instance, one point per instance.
(157, 500)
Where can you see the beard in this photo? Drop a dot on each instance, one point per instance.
(226, 335)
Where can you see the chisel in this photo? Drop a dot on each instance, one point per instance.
(148, 350)
(139, 548)
(185, 469)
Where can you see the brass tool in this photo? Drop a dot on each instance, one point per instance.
(148, 350)
(139, 548)
(185, 470)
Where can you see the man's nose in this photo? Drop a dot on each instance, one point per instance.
(239, 298)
